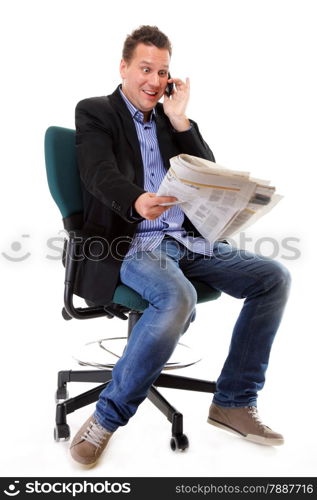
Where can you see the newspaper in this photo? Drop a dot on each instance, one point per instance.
(220, 202)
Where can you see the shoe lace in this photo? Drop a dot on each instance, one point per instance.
(95, 434)
(253, 411)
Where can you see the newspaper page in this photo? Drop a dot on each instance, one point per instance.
(219, 202)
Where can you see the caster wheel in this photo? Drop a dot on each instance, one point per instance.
(179, 442)
(62, 432)
(65, 314)
(61, 395)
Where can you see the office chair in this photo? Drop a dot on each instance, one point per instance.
(64, 184)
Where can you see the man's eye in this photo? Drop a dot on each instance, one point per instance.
(145, 70)
(162, 73)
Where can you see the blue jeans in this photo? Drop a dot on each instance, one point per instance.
(162, 277)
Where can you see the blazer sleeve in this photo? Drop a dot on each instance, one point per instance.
(97, 161)
(191, 142)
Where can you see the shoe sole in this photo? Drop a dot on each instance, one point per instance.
(250, 437)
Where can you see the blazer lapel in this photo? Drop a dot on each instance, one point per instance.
(129, 131)
(164, 134)
(164, 137)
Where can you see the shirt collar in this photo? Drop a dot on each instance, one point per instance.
(135, 112)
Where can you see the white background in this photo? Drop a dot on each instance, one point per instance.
(252, 66)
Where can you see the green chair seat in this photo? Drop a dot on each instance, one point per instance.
(127, 297)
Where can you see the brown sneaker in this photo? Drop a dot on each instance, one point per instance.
(244, 422)
(89, 442)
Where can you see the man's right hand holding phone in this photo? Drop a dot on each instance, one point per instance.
(175, 105)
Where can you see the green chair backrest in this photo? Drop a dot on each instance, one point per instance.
(62, 171)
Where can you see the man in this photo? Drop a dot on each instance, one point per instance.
(124, 143)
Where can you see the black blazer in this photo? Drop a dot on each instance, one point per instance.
(111, 171)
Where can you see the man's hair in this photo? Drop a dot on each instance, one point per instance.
(149, 35)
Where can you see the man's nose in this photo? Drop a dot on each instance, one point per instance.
(154, 80)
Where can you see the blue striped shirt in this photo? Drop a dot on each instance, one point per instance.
(150, 233)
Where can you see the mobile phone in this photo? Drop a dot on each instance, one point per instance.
(169, 87)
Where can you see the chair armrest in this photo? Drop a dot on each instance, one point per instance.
(72, 256)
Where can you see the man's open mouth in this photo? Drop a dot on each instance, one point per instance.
(150, 92)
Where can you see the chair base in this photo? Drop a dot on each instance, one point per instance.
(65, 405)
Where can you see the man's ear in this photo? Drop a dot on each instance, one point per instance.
(123, 67)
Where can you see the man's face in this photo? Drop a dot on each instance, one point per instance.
(144, 78)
